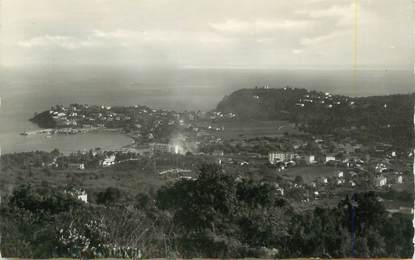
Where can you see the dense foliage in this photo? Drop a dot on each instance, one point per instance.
(368, 119)
(214, 215)
(44, 120)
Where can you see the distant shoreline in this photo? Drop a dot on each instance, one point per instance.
(70, 131)
(108, 139)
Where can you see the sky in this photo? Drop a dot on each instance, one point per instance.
(208, 33)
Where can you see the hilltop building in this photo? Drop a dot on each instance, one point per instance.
(275, 157)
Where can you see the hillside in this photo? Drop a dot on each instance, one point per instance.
(44, 120)
(261, 103)
(373, 119)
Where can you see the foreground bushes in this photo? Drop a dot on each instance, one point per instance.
(213, 216)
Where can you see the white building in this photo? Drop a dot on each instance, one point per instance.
(330, 158)
(276, 157)
(82, 196)
(380, 181)
(80, 166)
(109, 161)
(310, 159)
(78, 194)
(399, 179)
(165, 148)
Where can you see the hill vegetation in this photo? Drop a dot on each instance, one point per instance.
(214, 215)
(368, 119)
(44, 120)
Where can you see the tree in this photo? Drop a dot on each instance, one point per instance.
(203, 209)
(110, 196)
(55, 152)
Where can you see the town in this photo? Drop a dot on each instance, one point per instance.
(279, 161)
(313, 167)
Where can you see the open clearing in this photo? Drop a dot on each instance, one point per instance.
(253, 128)
(309, 174)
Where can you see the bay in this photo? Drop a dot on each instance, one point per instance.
(25, 91)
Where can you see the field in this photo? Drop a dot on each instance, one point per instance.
(310, 173)
(131, 179)
(254, 128)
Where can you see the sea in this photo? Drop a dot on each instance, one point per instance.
(24, 91)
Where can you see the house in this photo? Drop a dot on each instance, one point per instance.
(275, 157)
(329, 158)
(398, 179)
(310, 159)
(76, 166)
(78, 194)
(82, 196)
(380, 181)
(162, 148)
(406, 210)
(109, 161)
(340, 174)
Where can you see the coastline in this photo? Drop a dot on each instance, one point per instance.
(70, 131)
(67, 141)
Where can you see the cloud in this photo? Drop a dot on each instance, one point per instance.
(161, 36)
(113, 34)
(65, 42)
(124, 38)
(261, 25)
(230, 32)
(344, 15)
(322, 39)
(297, 51)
